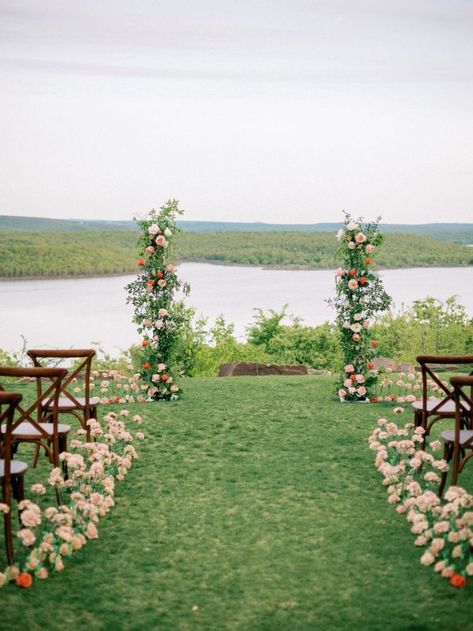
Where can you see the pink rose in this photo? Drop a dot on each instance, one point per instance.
(369, 248)
(149, 249)
(170, 268)
(174, 388)
(342, 393)
(360, 379)
(352, 284)
(161, 241)
(162, 283)
(340, 271)
(347, 383)
(360, 237)
(356, 337)
(349, 368)
(361, 391)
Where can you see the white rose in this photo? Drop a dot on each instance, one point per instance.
(153, 229)
(340, 234)
(159, 324)
(351, 245)
(352, 225)
(167, 232)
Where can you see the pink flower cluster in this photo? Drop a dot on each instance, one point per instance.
(87, 494)
(444, 526)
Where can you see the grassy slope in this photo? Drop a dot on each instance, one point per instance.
(263, 516)
(102, 252)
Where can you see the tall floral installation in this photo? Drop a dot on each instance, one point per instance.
(359, 297)
(51, 533)
(157, 313)
(412, 472)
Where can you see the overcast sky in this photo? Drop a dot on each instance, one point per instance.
(259, 110)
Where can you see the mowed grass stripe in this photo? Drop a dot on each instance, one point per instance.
(254, 505)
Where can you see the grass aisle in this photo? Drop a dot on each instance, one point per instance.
(254, 505)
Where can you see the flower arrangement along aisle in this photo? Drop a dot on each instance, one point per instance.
(158, 315)
(360, 296)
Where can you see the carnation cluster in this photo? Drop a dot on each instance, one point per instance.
(443, 527)
(49, 534)
(359, 297)
(158, 315)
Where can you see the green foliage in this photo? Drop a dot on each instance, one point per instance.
(427, 327)
(316, 347)
(265, 326)
(61, 254)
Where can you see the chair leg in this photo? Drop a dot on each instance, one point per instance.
(447, 454)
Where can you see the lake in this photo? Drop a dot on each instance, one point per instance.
(82, 311)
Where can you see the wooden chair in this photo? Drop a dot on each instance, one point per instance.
(457, 441)
(444, 406)
(50, 435)
(83, 408)
(11, 471)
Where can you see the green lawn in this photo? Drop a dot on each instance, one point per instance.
(254, 505)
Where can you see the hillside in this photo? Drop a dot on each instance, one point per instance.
(454, 232)
(60, 254)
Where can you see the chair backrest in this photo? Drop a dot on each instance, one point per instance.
(427, 364)
(462, 388)
(84, 367)
(53, 378)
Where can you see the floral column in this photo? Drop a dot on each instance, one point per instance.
(157, 314)
(359, 297)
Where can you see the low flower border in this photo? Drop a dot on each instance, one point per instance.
(48, 535)
(443, 526)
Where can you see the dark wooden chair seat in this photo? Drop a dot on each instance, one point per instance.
(17, 467)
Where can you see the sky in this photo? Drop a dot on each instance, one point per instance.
(285, 111)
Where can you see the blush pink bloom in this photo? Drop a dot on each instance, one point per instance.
(360, 237)
(153, 229)
(361, 391)
(26, 536)
(369, 248)
(351, 245)
(92, 532)
(170, 268)
(149, 249)
(162, 283)
(360, 379)
(161, 367)
(174, 388)
(356, 337)
(339, 273)
(161, 241)
(347, 383)
(352, 284)
(342, 393)
(349, 368)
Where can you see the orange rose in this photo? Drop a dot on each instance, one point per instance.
(373, 399)
(144, 343)
(25, 580)
(374, 343)
(363, 280)
(164, 377)
(370, 365)
(159, 274)
(352, 272)
(353, 377)
(146, 365)
(456, 580)
(140, 261)
(368, 261)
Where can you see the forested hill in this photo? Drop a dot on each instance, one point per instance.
(454, 232)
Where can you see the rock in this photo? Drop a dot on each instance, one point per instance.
(240, 369)
(383, 363)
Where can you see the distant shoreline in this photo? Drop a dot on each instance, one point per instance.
(293, 268)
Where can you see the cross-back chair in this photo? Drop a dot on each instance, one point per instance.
(458, 441)
(11, 471)
(82, 407)
(29, 425)
(428, 411)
